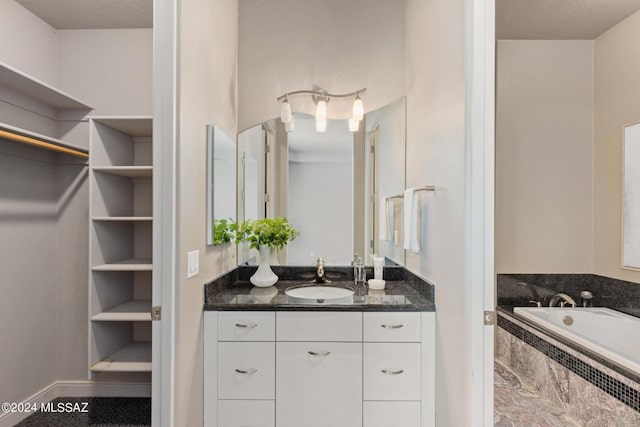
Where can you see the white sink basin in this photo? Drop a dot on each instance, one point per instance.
(320, 292)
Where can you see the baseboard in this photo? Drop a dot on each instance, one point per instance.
(47, 394)
(76, 389)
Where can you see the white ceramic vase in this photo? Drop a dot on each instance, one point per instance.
(264, 276)
(273, 256)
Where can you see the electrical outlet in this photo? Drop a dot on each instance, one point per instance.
(193, 264)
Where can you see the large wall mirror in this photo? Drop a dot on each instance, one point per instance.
(335, 187)
(631, 198)
(221, 181)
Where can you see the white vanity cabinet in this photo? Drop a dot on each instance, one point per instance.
(319, 368)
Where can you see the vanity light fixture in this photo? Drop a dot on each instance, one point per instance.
(358, 108)
(321, 97)
(291, 126)
(285, 111)
(354, 124)
(321, 125)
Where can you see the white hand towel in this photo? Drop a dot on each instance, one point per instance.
(383, 220)
(410, 214)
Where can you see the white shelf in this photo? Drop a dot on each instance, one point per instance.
(134, 357)
(123, 218)
(126, 171)
(133, 264)
(46, 139)
(135, 126)
(30, 86)
(135, 310)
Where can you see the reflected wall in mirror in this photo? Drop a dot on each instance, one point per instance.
(631, 198)
(331, 186)
(221, 184)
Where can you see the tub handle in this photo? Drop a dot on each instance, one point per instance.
(536, 303)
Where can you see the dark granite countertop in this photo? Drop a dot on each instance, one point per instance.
(404, 292)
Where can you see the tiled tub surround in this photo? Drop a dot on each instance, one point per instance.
(519, 289)
(588, 390)
(592, 389)
(404, 291)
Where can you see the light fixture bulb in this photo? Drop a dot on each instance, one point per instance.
(358, 108)
(321, 125)
(321, 110)
(285, 112)
(354, 124)
(291, 126)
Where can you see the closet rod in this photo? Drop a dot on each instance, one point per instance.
(42, 144)
(401, 196)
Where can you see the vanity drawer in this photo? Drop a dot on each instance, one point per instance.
(392, 371)
(392, 327)
(246, 413)
(318, 326)
(246, 370)
(246, 326)
(391, 414)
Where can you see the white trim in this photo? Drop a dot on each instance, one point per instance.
(165, 131)
(479, 277)
(76, 389)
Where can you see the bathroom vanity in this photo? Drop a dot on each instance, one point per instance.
(270, 360)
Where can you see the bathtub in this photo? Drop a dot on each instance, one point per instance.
(609, 333)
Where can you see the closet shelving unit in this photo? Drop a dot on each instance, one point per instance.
(121, 223)
(28, 93)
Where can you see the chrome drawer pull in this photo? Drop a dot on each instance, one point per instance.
(247, 325)
(320, 353)
(248, 371)
(389, 372)
(392, 326)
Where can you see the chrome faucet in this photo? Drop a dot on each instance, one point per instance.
(319, 277)
(564, 299)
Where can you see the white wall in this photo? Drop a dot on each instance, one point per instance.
(108, 69)
(340, 46)
(617, 91)
(28, 43)
(544, 145)
(28, 209)
(435, 88)
(207, 95)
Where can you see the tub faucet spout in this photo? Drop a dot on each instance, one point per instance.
(563, 299)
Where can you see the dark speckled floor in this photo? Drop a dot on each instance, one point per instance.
(102, 412)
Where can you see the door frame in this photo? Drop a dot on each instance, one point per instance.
(480, 136)
(165, 128)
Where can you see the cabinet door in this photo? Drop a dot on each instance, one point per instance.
(392, 327)
(392, 371)
(246, 326)
(318, 384)
(246, 413)
(318, 326)
(246, 370)
(391, 414)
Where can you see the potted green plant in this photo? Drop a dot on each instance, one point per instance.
(265, 235)
(222, 231)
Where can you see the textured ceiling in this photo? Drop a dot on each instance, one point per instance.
(92, 14)
(559, 19)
